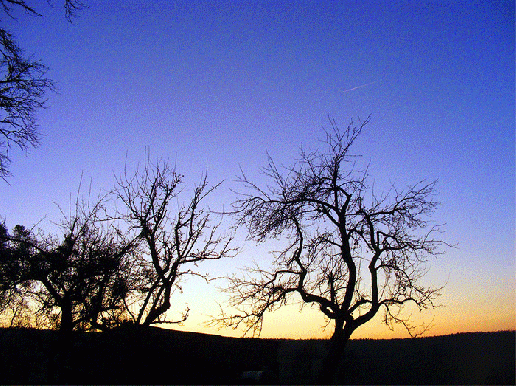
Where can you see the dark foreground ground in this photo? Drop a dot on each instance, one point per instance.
(155, 356)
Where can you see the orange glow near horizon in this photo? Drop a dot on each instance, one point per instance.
(291, 323)
(488, 308)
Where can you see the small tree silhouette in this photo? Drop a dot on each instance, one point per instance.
(84, 274)
(170, 244)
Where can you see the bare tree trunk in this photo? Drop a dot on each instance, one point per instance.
(66, 314)
(158, 309)
(335, 355)
(62, 370)
(156, 312)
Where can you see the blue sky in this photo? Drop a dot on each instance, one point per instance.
(214, 85)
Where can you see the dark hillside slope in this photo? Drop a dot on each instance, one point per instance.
(156, 356)
(128, 356)
(467, 358)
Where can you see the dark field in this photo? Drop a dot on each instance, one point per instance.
(151, 356)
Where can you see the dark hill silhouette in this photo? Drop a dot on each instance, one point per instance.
(157, 356)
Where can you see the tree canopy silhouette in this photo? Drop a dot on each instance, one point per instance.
(84, 274)
(350, 251)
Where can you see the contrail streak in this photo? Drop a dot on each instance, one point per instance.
(357, 87)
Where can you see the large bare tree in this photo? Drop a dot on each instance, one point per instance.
(173, 239)
(349, 251)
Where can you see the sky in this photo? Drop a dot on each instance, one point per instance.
(213, 86)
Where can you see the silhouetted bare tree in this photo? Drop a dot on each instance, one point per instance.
(85, 275)
(22, 90)
(172, 241)
(350, 251)
(23, 86)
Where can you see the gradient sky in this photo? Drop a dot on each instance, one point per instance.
(214, 85)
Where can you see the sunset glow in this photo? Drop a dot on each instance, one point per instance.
(215, 86)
